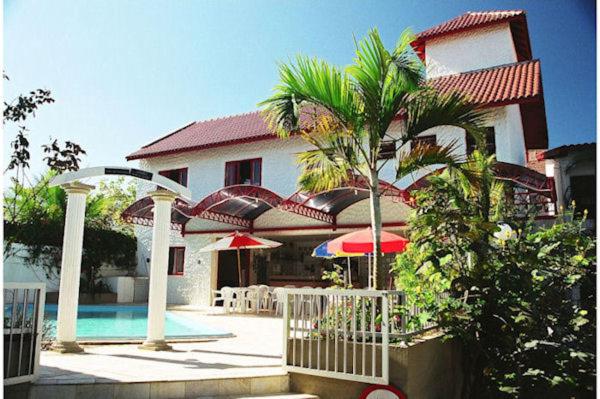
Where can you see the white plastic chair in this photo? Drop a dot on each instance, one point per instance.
(257, 297)
(216, 297)
(228, 298)
(277, 300)
(265, 299)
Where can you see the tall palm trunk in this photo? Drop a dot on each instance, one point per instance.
(375, 202)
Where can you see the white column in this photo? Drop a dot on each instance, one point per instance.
(70, 269)
(159, 259)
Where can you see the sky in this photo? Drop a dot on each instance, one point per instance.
(124, 73)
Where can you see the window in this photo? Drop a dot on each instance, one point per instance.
(176, 260)
(583, 192)
(423, 140)
(490, 142)
(243, 172)
(177, 175)
(387, 150)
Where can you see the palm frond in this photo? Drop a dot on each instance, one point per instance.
(427, 109)
(423, 155)
(335, 158)
(406, 60)
(383, 79)
(309, 81)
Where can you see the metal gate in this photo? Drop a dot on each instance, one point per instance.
(339, 333)
(23, 322)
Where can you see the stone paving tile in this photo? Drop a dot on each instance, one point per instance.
(167, 390)
(95, 391)
(201, 388)
(254, 351)
(132, 391)
(234, 386)
(53, 391)
(269, 385)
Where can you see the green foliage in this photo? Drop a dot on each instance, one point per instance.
(521, 305)
(346, 113)
(34, 217)
(336, 277)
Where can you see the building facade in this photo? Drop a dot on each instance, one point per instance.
(243, 178)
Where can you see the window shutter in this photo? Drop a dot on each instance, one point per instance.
(256, 172)
(230, 173)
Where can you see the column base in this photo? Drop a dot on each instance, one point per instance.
(66, 347)
(155, 346)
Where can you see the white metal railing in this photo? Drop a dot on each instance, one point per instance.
(23, 321)
(340, 333)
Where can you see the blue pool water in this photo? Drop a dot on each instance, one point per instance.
(99, 322)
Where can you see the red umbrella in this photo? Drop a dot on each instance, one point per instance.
(362, 241)
(239, 241)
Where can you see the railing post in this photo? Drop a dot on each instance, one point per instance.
(286, 326)
(385, 338)
(403, 317)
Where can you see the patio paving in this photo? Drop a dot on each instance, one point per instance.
(254, 351)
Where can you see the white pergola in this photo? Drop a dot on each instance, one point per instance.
(68, 299)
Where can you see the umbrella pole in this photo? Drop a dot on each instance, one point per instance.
(369, 259)
(349, 272)
(239, 268)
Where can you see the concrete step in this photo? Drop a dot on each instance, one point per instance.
(266, 387)
(283, 395)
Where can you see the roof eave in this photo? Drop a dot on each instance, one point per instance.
(134, 156)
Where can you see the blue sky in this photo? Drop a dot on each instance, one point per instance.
(126, 72)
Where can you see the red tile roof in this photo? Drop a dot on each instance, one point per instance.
(214, 132)
(505, 84)
(476, 20)
(501, 85)
(565, 150)
(467, 21)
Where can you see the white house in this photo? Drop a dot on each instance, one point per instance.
(573, 169)
(243, 178)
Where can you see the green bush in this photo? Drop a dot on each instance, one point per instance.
(521, 305)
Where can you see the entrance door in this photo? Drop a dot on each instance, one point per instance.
(228, 269)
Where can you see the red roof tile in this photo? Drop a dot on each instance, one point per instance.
(467, 21)
(504, 84)
(210, 133)
(565, 150)
(475, 20)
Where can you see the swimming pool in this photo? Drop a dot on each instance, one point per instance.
(115, 322)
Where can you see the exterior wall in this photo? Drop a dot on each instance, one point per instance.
(206, 174)
(199, 271)
(16, 270)
(562, 169)
(471, 50)
(510, 138)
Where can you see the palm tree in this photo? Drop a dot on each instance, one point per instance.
(347, 113)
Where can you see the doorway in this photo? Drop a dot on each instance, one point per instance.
(228, 270)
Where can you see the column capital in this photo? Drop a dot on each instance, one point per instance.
(77, 188)
(162, 195)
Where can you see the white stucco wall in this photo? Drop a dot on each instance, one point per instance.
(467, 51)
(194, 286)
(16, 270)
(206, 174)
(510, 138)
